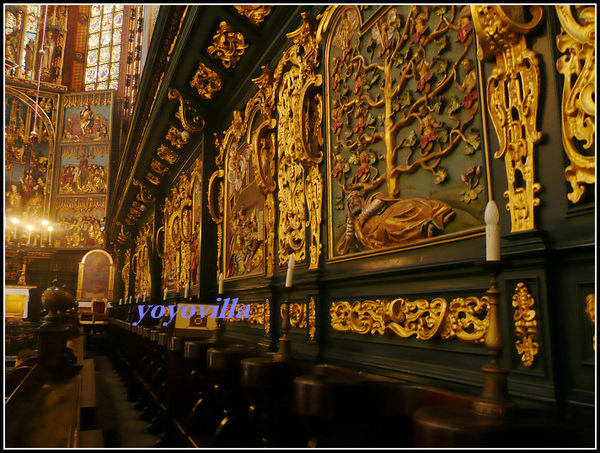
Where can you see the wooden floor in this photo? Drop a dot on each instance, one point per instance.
(117, 422)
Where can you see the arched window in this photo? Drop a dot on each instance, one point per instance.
(104, 47)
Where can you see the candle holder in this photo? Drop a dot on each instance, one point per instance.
(493, 400)
(285, 343)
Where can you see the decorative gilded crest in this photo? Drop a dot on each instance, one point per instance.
(466, 319)
(158, 167)
(206, 81)
(526, 328)
(153, 178)
(190, 121)
(513, 93)
(145, 195)
(578, 110)
(255, 13)
(177, 138)
(227, 45)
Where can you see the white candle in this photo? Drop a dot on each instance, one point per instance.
(492, 232)
(186, 290)
(120, 301)
(130, 299)
(137, 298)
(165, 294)
(144, 299)
(290, 271)
(221, 283)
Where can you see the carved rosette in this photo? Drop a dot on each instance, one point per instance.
(578, 110)
(206, 81)
(227, 45)
(466, 319)
(299, 138)
(526, 328)
(513, 93)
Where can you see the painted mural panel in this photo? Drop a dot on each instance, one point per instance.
(244, 216)
(28, 156)
(405, 161)
(83, 169)
(87, 117)
(81, 222)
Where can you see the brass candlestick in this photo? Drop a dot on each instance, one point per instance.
(493, 400)
(285, 342)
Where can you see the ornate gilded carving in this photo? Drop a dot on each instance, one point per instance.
(297, 315)
(187, 114)
(125, 273)
(153, 178)
(206, 81)
(513, 92)
(255, 13)
(590, 311)
(140, 260)
(299, 140)
(177, 138)
(578, 110)
(312, 318)
(526, 328)
(267, 316)
(257, 313)
(227, 45)
(158, 167)
(166, 154)
(462, 318)
(145, 195)
(177, 235)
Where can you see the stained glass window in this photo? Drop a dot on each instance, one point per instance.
(104, 47)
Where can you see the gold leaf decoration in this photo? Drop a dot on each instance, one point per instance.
(206, 81)
(312, 318)
(227, 45)
(462, 318)
(166, 154)
(255, 13)
(578, 65)
(590, 310)
(526, 328)
(513, 93)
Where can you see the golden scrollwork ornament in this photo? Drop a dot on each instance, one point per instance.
(227, 45)
(466, 319)
(526, 327)
(312, 318)
(167, 154)
(190, 120)
(206, 81)
(578, 109)
(513, 92)
(177, 138)
(255, 13)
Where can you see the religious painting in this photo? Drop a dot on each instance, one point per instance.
(86, 123)
(83, 169)
(96, 276)
(244, 238)
(28, 146)
(405, 162)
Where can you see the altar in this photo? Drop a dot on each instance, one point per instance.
(16, 301)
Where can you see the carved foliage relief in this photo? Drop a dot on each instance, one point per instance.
(405, 156)
(578, 65)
